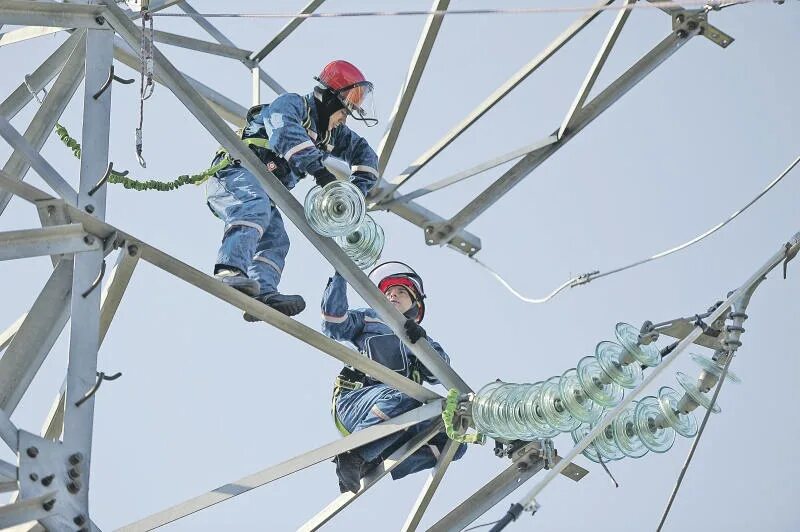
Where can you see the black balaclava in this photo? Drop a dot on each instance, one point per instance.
(413, 312)
(327, 103)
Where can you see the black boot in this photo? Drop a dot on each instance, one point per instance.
(238, 280)
(349, 469)
(285, 304)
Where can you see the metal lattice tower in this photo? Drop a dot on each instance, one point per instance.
(86, 293)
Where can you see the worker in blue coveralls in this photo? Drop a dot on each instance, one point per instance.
(360, 401)
(292, 136)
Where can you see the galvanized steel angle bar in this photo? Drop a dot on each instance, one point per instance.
(248, 61)
(288, 467)
(597, 66)
(487, 496)
(200, 45)
(56, 14)
(500, 93)
(288, 204)
(42, 124)
(286, 324)
(7, 335)
(85, 307)
(431, 485)
(39, 163)
(420, 59)
(469, 172)
(286, 31)
(35, 337)
(53, 240)
(26, 33)
(8, 432)
(344, 500)
(443, 231)
(116, 283)
(24, 511)
(39, 78)
(413, 212)
(7, 471)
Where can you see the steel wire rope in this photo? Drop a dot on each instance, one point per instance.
(591, 276)
(708, 6)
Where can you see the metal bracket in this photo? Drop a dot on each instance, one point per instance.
(689, 20)
(525, 455)
(440, 234)
(680, 328)
(48, 467)
(107, 84)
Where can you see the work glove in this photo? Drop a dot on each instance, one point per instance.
(414, 331)
(324, 176)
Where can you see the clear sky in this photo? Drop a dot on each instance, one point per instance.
(207, 398)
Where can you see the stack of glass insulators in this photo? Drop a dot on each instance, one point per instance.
(337, 209)
(364, 245)
(574, 401)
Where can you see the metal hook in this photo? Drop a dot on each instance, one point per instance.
(100, 378)
(35, 94)
(111, 77)
(105, 177)
(96, 282)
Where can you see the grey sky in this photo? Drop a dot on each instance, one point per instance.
(206, 398)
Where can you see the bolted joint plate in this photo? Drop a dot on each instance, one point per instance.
(531, 452)
(691, 20)
(441, 233)
(47, 466)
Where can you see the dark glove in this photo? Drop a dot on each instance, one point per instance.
(414, 331)
(323, 177)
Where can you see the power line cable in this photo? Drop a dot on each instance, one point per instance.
(591, 276)
(707, 5)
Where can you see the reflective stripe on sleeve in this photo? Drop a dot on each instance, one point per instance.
(303, 145)
(367, 169)
(268, 262)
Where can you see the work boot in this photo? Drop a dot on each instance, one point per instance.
(236, 279)
(285, 304)
(349, 467)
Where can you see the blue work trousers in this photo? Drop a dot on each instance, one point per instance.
(359, 409)
(255, 240)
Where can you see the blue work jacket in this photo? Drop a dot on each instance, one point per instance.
(372, 337)
(290, 124)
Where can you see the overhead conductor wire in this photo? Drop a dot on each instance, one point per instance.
(591, 276)
(707, 5)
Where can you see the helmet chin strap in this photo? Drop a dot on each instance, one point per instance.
(327, 104)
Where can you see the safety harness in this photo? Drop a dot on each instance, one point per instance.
(350, 379)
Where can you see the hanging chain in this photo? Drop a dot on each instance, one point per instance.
(146, 86)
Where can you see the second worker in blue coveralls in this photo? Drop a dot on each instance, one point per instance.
(360, 401)
(291, 136)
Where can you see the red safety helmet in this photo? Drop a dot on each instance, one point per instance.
(352, 89)
(393, 273)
